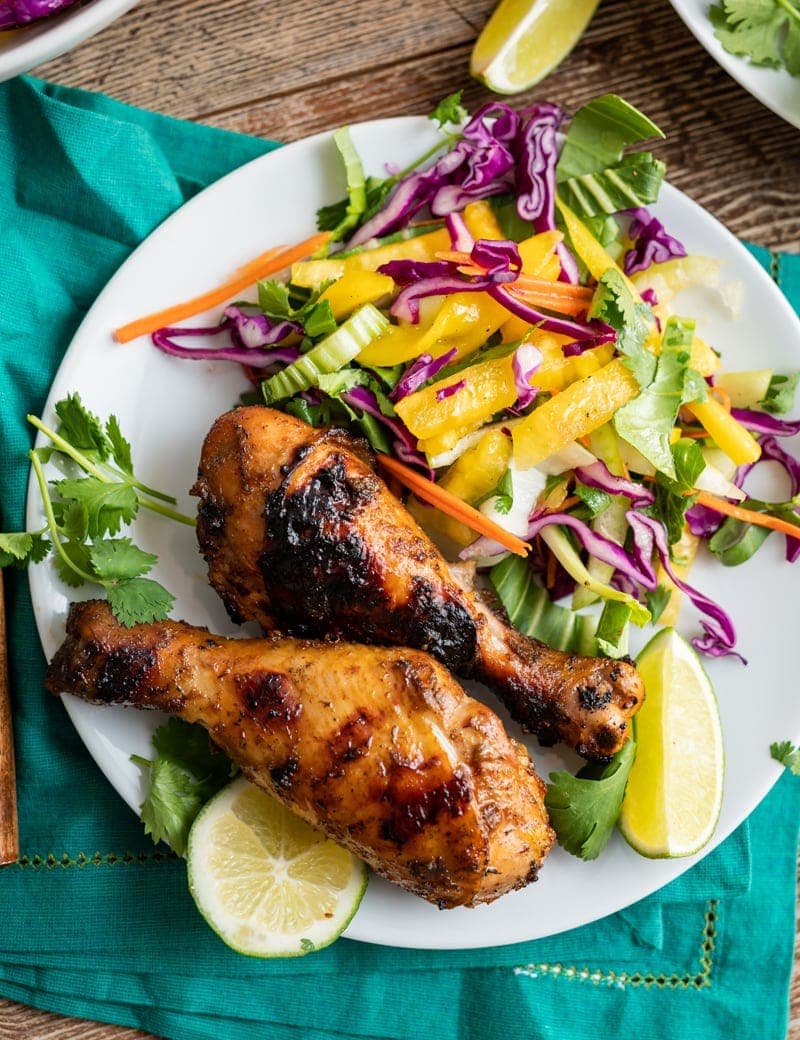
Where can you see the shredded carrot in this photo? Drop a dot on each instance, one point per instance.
(436, 496)
(546, 285)
(722, 396)
(695, 435)
(268, 263)
(749, 516)
(568, 503)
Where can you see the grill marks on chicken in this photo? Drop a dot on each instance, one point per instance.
(378, 747)
(301, 535)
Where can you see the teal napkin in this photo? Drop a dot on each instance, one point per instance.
(96, 921)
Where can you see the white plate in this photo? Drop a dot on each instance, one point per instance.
(774, 88)
(40, 41)
(166, 406)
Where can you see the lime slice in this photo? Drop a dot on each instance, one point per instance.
(674, 793)
(524, 40)
(268, 883)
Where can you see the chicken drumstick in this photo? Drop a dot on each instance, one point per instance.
(301, 535)
(378, 747)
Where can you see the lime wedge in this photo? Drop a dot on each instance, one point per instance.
(674, 793)
(524, 40)
(268, 883)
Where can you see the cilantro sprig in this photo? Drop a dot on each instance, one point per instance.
(184, 773)
(85, 514)
(584, 809)
(765, 31)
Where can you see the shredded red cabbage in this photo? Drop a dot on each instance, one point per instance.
(253, 358)
(578, 346)
(15, 13)
(649, 536)
(703, 521)
(497, 256)
(448, 391)
(405, 446)
(651, 242)
(460, 237)
(761, 422)
(597, 475)
(527, 359)
(595, 331)
(257, 330)
(537, 145)
(419, 372)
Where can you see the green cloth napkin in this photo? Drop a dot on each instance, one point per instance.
(95, 921)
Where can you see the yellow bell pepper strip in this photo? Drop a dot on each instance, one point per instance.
(433, 494)
(355, 288)
(464, 321)
(596, 258)
(473, 476)
(538, 255)
(476, 394)
(727, 433)
(311, 274)
(581, 408)
(477, 472)
(443, 442)
(481, 221)
(703, 359)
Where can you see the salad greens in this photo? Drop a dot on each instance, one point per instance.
(765, 31)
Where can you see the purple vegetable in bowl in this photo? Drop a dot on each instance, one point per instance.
(17, 13)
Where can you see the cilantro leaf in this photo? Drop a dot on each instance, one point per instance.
(765, 31)
(613, 303)
(120, 448)
(15, 548)
(186, 771)
(80, 427)
(449, 110)
(108, 505)
(115, 559)
(78, 554)
(504, 493)
(657, 600)
(134, 601)
(672, 498)
(779, 398)
(584, 808)
(595, 500)
(646, 422)
(787, 754)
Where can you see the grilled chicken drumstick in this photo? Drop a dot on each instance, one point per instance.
(378, 747)
(300, 535)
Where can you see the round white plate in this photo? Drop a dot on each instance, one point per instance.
(166, 406)
(23, 49)
(774, 88)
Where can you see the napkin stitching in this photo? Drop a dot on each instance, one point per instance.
(99, 859)
(700, 979)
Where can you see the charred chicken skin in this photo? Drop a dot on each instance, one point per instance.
(378, 747)
(302, 536)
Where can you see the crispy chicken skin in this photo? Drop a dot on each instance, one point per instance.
(378, 747)
(301, 535)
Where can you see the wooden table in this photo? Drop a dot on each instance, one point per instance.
(287, 70)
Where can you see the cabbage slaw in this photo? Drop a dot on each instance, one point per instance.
(500, 321)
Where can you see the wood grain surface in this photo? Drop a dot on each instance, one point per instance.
(285, 70)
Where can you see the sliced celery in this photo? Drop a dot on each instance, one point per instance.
(329, 355)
